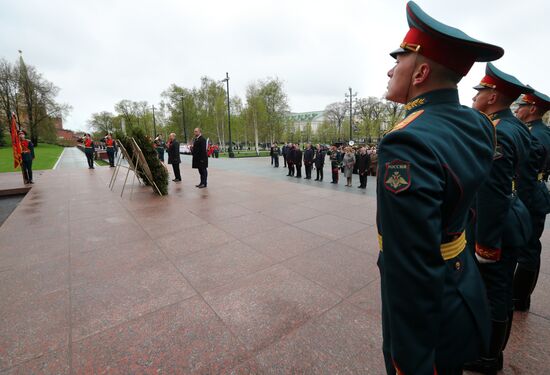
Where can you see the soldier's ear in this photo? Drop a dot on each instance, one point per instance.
(493, 97)
(421, 73)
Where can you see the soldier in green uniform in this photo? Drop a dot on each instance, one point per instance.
(434, 311)
(531, 109)
(502, 223)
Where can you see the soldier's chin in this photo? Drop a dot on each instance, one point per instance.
(394, 97)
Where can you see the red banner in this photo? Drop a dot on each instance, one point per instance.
(15, 142)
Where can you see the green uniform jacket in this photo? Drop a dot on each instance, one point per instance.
(536, 196)
(430, 167)
(495, 201)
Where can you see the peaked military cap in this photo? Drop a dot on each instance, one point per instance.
(444, 44)
(536, 98)
(505, 83)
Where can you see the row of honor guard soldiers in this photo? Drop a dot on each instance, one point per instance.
(461, 204)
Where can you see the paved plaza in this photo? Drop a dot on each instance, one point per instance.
(257, 274)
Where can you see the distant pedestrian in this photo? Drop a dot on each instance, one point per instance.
(349, 162)
(298, 161)
(319, 162)
(275, 151)
(89, 150)
(334, 163)
(284, 152)
(200, 158)
(174, 158)
(159, 146)
(290, 159)
(27, 156)
(363, 164)
(308, 160)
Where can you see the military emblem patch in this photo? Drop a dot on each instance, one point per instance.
(398, 176)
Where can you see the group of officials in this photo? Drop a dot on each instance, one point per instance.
(198, 150)
(347, 160)
(462, 201)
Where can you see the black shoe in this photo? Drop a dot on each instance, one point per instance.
(201, 186)
(522, 305)
(487, 366)
(316, 179)
(176, 180)
(30, 182)
(333, 182)
(198, 185)
(359, 187)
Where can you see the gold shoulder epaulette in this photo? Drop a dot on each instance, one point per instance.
(410, 118)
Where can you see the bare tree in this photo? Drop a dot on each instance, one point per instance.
(9, 88)
(336, 113)
(38, 98)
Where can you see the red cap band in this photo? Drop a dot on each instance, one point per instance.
(444, 51)
(532, 99)
(502, 86)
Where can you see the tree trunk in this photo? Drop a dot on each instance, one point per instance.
(256, 135)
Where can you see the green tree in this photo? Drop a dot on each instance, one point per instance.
(38, 98)
(103, 122)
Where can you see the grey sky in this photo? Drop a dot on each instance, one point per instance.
(99, 52)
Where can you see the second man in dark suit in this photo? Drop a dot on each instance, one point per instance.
(173, 147)
(200, 158)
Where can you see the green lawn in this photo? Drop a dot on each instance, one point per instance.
(45, 157)
(244, 154)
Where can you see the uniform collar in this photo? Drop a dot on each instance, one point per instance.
(431, 98)
(502, 114)
(538, 122)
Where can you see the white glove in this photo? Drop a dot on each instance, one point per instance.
(482, 260)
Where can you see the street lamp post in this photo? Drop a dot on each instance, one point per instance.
(183, 120)
(231, 154)
(351, 96)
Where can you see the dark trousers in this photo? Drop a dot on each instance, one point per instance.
(335, 173)
(27, 169)
(308, 170)
(290, 169)
(111, 156)
(498, 278)
(298, 170)
(90, 157)
(363, 179)
(284, 160)
(530, 256)
(204, 175)
(276, 161)
(176, 168)
(160, 152)
(320, 173)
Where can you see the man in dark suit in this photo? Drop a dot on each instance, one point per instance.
(290, 159)
(200, 159)
(319, 162)
(363, 163)
(298, 161)
(173, 147)
(308, 161)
